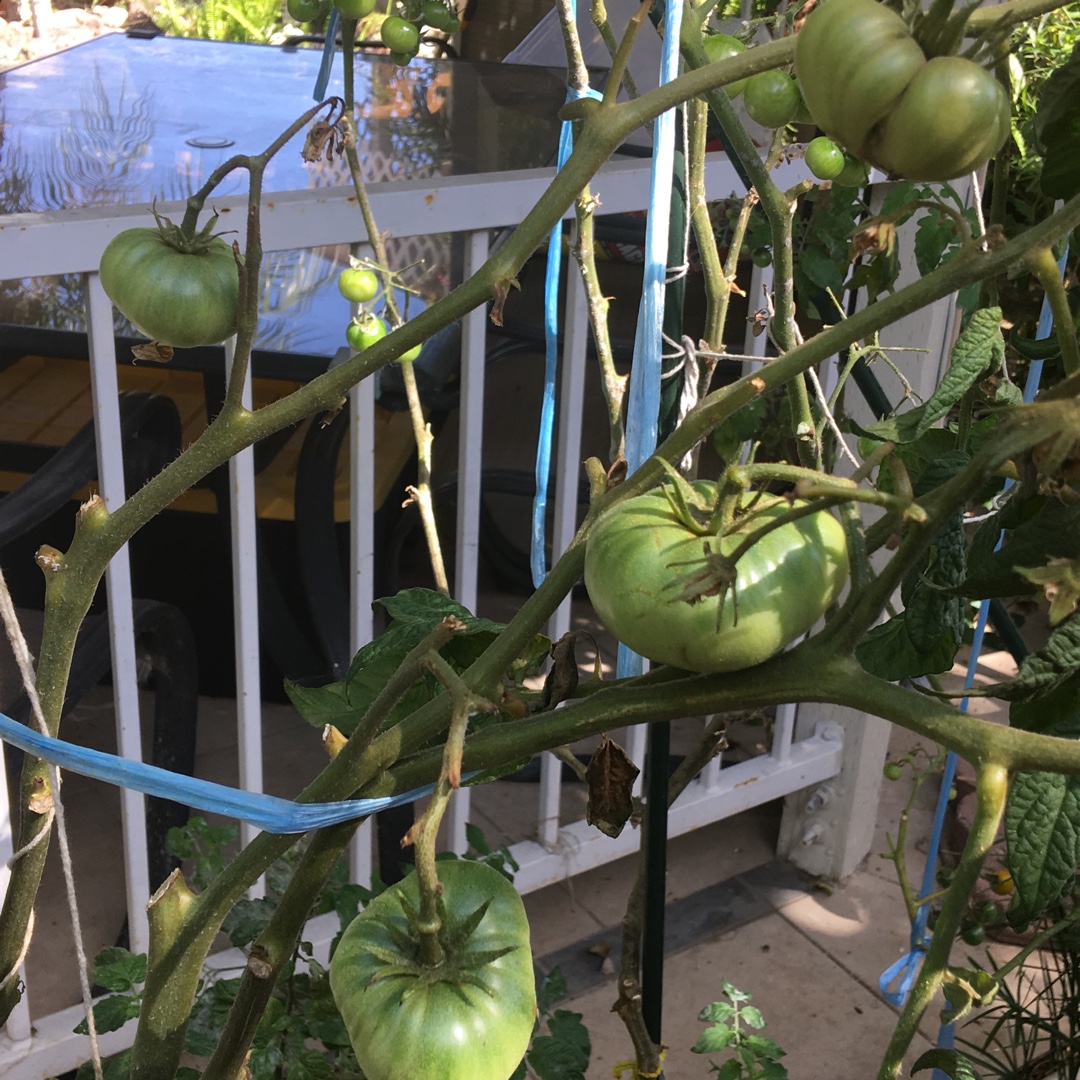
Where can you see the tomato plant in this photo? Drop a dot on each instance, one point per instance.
(440, 17)
(358, 284)
(471, 1017)
(824, 158)
(355, 9)
(784, 582)
(363, 333)
(720, 47)
(400, 36)
(307, 11)
(182, 298)
(772, 98)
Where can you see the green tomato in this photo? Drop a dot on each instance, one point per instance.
(973, 934)
(986, 912)
(400, 36)
(410, 355)
(853, 174)
(854, 59)
(772, 98)
(358, 284)
(893, 770)
(761, 256)
(183, 299)
(784, 582)
(952, 118)
(355, 9)
(364, 333)
(307, 11)
(720, 47)
(440, 17)
(470, 1019)
(824, 158)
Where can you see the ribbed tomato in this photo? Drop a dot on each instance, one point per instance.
(469, 1019)
(784, 582)
(179, 298)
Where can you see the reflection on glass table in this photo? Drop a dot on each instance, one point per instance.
(145, 119)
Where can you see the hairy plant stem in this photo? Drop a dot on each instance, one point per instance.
(173, 978)
(992, 789)
(717, 289)
(1045, 267)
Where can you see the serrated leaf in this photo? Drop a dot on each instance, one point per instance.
(773, 1070)
(117, 1067)
(1059, 97)
(564, 1054)
(247, 920)
(1042, 831)
(322, 705)
(751, 1016)
(951, 1062)
(979, 350)
(732, 1069)
(933, 237)
(733, 992)
(764, 1047)
(119, 969)
(111, 1014)
(1044, 671)
(717, 1011)
(1057, 712)
(714, 1039)
(307, 1063)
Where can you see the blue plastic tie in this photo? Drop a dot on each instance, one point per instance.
(643, 408)
(266, 812)
(326, 65)
(906, 968)
(538, 550)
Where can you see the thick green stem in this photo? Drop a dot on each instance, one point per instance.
(717, 290)
(992, 790)
(1045, 267)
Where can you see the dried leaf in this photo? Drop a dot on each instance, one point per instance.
(610, 775)
(155, 351)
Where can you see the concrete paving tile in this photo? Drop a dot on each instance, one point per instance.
(558, 918)
(838, 1029)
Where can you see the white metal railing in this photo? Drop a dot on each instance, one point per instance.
(72, 242)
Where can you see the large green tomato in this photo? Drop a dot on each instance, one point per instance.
(469, 1019)
(720, 47)
(178, 298)
(952, 118)
(853, 60)
(784, 583)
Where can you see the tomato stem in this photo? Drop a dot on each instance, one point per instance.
(1046, 269)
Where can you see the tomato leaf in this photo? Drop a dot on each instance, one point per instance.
(887, 651)
(111, 1014)
(951, 1062)
(1042, 830)
(247, 920)
(117, 1067)
(610, 776)
(713, 1039)
(1044, 671)
(978, 351)
(119, 969)
(565, 1053)
(307, 1063)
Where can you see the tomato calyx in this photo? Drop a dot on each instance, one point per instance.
(188, 244)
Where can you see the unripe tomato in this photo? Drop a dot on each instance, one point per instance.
(440, 17)
(179, 298)
(761, 256)
(355, 9)
(307, 11)
(952, 118)
(973, 934)
(720, 47)
(772, 98)
(364, 333)
(893, 770)
(853, 174)
(784, 582)
(358, 284)
(400, 36)
(410, 355)
(853, 59)
(824, 158)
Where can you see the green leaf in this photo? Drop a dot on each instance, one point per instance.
(979, 350)
(717, 1011)
(111, 1014)
(1044, 671)
(713, 1039)
(822, 270)
(887, 651)
(773, 1070)
(117, 1067)
(307, 1063)
(1037, 529)
(951, 1062)
(763, 1047)
(732, 1069)
(550, 990)
(119, 969)
(1060, 177)
(1060, 96)
(1042, 830)
(1057, 711)
(247, 920)
(564, 1054)
(751, 1016)
(322, 705)
(935, 234)
(733, 992)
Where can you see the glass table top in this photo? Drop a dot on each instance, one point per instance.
(125, 120)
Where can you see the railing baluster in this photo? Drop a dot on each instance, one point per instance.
(105, 393)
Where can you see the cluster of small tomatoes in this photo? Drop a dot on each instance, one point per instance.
(863, 78)
(399, 33)
(360, 285)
